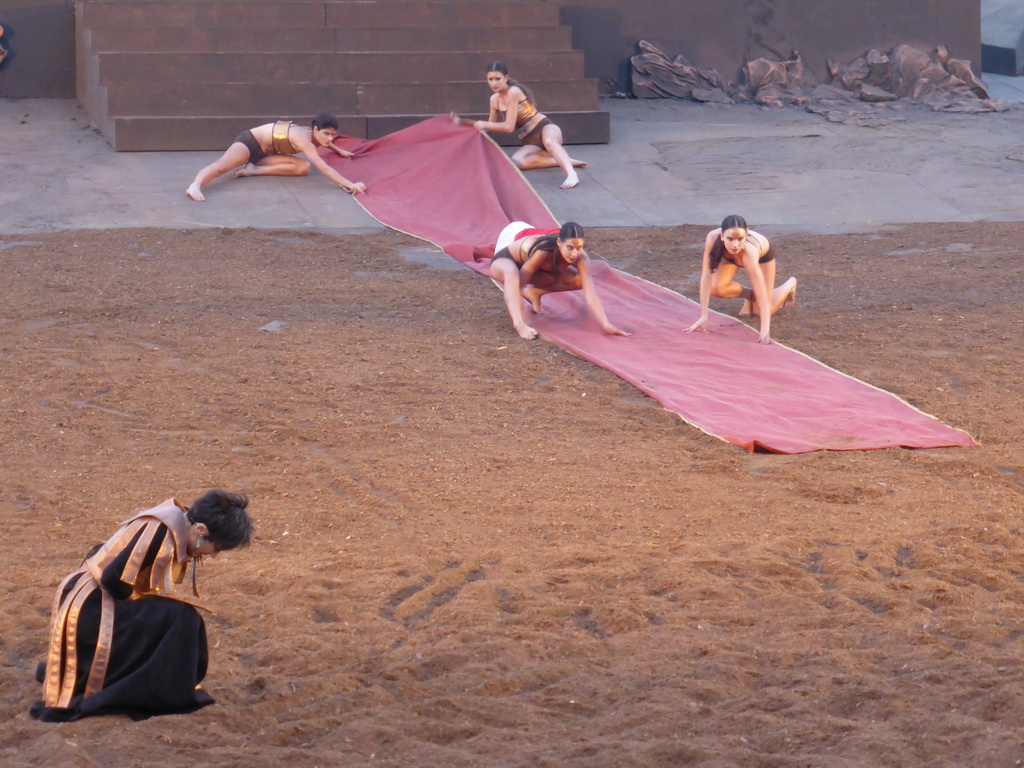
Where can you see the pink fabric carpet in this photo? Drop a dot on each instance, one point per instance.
(451, 186)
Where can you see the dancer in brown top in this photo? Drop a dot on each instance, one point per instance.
(513, 110)
(270, 149)
(727, 249)
(118, 643)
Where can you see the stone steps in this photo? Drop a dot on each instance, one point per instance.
(192, 74)
(364, 68)
(240, 99)
(120, 39)
(352, 14)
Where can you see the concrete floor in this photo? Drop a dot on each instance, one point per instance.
(669, 163)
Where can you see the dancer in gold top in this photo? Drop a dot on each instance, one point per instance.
(270, 150)
(513, 110)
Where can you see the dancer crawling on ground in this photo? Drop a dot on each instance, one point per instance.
(270, 149)
(117, 645)
(529, 263)
(513, 110)
(728, 248)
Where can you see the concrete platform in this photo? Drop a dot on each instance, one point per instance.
(150, 134)
(1002, 36)
(668, 163)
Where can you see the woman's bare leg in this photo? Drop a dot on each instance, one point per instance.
(536, 291)
(781, 296)
(541, 159)
(506, 274)
(552, 138)
(533, 294)
(275, 165)
(785, 295)
(530, 157)
(724, 286)
(235, 155)
(749, 307)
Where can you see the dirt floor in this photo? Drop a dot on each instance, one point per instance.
(478, 551)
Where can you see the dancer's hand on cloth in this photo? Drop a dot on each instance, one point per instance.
(456, 120)
(700, 325)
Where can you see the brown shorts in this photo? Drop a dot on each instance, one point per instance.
(256, 152)
(534, 136)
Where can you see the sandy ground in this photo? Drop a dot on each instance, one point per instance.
(478, 551)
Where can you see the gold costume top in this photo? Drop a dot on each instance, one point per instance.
(528, 120)
(525, 111)
(159, 577)
(281, 143)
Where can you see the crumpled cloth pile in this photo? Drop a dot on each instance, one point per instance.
(657, 77)
(935, 79)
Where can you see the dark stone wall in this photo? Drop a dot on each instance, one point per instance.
(724, 34)
(721, 34)
(40, 38)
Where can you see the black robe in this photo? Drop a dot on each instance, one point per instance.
(158, 652)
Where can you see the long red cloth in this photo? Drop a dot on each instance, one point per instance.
(453, 187)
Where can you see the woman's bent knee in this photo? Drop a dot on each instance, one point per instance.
(502, 272)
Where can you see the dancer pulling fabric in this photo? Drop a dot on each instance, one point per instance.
(457, 190)
(513, 110)
(117, 644)
(270, 149)
(530, 263)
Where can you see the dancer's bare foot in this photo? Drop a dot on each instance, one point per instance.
(194, 193)
(525, 331)
(246, 170)
(577, 163)
(571, 180)
(790, 300)
(785, 295)
(533, 294)
(747, 309)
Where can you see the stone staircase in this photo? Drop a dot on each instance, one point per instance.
(191, 74)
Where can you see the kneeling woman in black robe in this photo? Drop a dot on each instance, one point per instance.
(118, 645)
